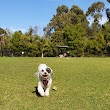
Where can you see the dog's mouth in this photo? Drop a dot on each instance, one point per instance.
(45, 76)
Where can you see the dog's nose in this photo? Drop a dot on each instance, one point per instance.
(45, 73)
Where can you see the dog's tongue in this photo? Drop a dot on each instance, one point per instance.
(45, 82)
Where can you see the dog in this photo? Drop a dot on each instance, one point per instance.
(44, 75)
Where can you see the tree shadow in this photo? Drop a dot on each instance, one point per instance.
(36, 91)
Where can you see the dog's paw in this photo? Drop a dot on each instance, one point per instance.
(42, 94)
(47, 93)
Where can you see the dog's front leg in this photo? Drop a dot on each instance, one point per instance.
(48, 88)
(47, 91)
(41, 91)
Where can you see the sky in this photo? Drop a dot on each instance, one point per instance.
(23, 14)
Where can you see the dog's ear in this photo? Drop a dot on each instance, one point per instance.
(52, 72)
(49, 70)
(37, 74)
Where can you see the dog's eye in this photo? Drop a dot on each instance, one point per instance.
(48, 70)
(42, 70)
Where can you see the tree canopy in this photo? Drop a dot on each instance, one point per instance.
(70, 27)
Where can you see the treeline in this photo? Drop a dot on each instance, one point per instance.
(28, 44)
(70, 27)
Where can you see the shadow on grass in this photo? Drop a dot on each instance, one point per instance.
(36, 91)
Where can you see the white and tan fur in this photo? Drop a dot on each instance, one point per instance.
(44, 75)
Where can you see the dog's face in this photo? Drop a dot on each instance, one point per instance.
(44, 71)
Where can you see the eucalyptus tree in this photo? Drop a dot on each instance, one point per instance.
(60, 19)
(76, 15)
(95, 11)
(54, 29)
(108, 13)
(71, 21)
(108, 1)
(58, 22)
(94, 44)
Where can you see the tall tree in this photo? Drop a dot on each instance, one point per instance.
(75, 38)
(108, 13)
(76, 15)
(108, 1)
(58, 21)
(95, 11)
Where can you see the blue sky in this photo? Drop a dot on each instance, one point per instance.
(22, 14)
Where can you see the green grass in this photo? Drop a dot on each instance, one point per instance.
(83, 84)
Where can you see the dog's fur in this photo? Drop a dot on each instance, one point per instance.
(44, 75)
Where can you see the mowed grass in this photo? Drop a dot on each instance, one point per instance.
(83, 84)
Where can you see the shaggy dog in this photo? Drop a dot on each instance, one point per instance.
(44, 75)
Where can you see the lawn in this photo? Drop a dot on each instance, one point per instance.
(83, 84)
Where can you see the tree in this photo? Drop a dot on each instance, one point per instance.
(96, 46)
(16, 43)
(95, 8)
(36, 49)
(95, 11)
(106, 33)
(32, 31)
(48, 48)
(2, 41)
(57, 38)
(108, 13)
(76, 15)
(47, 30)
(76, 39)
(108, 1)
(61, 9)
(58, 22)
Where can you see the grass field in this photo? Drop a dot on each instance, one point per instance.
(83, 84)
